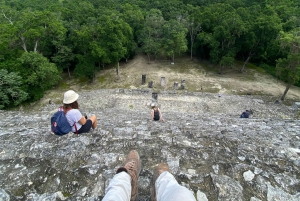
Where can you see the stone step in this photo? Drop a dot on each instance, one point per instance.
(203, 140)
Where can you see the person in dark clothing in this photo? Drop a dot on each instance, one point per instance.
(155, 113)
(245, 114)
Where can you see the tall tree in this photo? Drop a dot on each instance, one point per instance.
(11, 92)
(38, 74)
(63, 57)
(88, 48)
(193, 24)
(85, 66)
(35, 30)
(78, 11)
(133, 15)
(287, 11)
(150, 36)
(249, 40)
(222, 26)
(116, 39)
(263, 31)
(174, 38)
(169, 9)
(105, 39)
(289, 68)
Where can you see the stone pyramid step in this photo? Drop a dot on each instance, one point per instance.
(208, 147)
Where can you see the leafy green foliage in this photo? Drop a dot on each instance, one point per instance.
(106, 39)
(269, 69)
(32, 30)
(150, 36)
(38, 74)
(63, 57)
(288, 68)
(85, 35)
(170, 9)
(174, 38)
(85, 67)
(133, 15)
(222, 26)
(290, 65)
(11, 93)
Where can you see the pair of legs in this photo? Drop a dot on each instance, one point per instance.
(90, 123)
(93, 118)
(123, 186)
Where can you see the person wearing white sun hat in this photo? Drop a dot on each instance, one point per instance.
(77, 121)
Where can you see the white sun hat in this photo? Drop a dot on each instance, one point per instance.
(70, 97)
(152, 104)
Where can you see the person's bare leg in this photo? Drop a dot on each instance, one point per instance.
(93, 118)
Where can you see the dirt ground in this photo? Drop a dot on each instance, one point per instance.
(198, 75)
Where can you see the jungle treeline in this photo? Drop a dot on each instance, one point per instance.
(41, 39)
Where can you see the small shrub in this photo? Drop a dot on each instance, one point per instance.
(83, 79)
(101, 79)
(269, 69)
(64, 85)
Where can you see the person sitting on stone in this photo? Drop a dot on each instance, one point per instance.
(155, 113)
(245, 114)
(124, 185)
(78, 122)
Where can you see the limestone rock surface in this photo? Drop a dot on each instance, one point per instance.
(209, 149)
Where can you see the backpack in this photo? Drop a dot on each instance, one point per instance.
(156, 115)
(60, 124)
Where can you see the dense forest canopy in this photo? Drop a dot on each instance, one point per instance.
(40, 39)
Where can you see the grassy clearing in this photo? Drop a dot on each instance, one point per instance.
(183, 68)
(196, 73)
(101, 79)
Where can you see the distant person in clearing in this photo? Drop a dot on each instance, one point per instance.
(155, 113)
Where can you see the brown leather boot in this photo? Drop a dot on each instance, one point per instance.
(160, 168)
(133, 168)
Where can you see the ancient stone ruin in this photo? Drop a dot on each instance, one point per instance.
(209, 149)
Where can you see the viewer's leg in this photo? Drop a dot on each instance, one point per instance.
(124, 185)
(93, 118)
(166, 188)
(119, 188)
